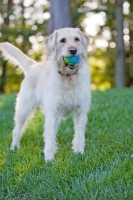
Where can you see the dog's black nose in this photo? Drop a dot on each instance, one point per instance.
(73, 50)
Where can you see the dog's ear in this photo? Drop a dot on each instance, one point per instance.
(85, 39)
(50, 43)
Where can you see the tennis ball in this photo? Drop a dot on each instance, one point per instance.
(71, 60)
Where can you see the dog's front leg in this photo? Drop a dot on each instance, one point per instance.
(51, 126)
(80, 119)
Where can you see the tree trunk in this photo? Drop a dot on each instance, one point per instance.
(120, 54)
(60, 15)
(4, 63)
(131, 49)
(3, 77)
(51, 21)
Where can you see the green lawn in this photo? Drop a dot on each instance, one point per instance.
(105, 171)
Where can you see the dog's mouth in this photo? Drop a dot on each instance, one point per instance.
(71, 61)
(70, 66)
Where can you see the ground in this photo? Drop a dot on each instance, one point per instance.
(105, 171)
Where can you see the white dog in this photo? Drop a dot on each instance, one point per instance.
(60, 89)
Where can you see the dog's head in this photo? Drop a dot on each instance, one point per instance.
(67, 42)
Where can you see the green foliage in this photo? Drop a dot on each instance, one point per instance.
(102, 69)
(18, 32)
(77, 16)
(13, 79)
(103, 172)
(101, 62)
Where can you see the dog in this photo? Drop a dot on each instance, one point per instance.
(58, 88)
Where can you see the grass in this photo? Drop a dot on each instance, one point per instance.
(105, 171)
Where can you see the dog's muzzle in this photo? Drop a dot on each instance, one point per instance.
(71, 61)
(72, 67)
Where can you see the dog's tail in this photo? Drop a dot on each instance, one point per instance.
(16, 56)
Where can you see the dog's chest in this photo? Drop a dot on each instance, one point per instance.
(68, 101)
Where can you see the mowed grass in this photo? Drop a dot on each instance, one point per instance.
(105, 171)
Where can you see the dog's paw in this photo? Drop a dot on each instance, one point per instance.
(78, 146)
(49, 154)
(49, 158)
(49, 151)
(77, 150)
(14, 146)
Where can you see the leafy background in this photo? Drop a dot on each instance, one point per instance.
(26, 24)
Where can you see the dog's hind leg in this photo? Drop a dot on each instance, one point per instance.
(24, 107)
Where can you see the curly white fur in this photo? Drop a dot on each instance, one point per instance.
(58, 95)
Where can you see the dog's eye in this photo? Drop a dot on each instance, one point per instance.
(63, 40)
(77, 39)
